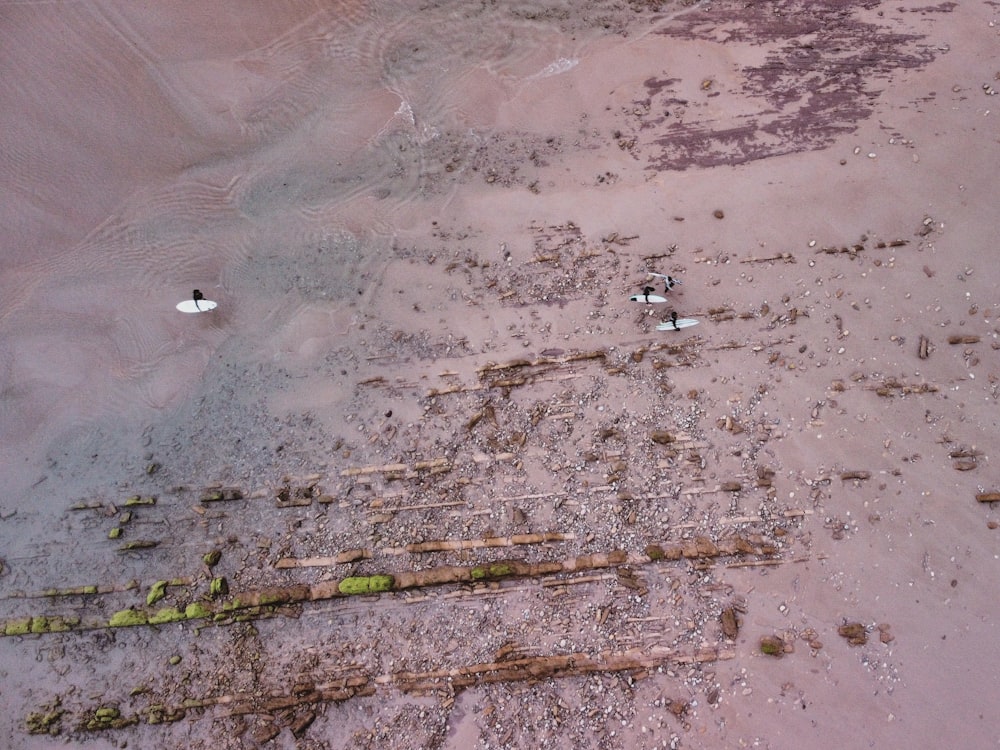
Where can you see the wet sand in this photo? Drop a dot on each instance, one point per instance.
(424, 364)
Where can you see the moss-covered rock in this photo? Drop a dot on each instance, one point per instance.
(366, 584)
(115, 533)
(17, 626)
(218, 587)
(495, 570)
(108, 718)
(137, 500)
(138, 544)
(156, 592)
(211, 559)
(197, 611)
(45, 722)
(62, 624)
(772, 645)
(127, 618)
(166, 615)
(39, 624)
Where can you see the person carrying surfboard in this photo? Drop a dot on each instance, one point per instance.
(669, 282)
(197, 303)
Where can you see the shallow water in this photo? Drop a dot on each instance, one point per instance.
(265, 156)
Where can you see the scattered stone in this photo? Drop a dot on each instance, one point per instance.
(266, 732)
(211, 559)
(960, 339)
(883, 633)
(302, 723)
(730, 623)
(924, 348)
(772, 645)
(677, 707)
(854, 632)
(661, 437)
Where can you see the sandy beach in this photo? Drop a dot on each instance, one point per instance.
(426, 477)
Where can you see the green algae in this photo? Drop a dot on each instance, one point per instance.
(115, 533)
(211, 559)
(108, 718)
(137, 500)
(365, 584)
(156, 592)
(197, 611)
(39, 624)
(20, 626)
(218, 587)
(138, 544)
(47, 721)
(127, 618)
(276, 597)
(496, 570)
(61, 624)
(166, 615)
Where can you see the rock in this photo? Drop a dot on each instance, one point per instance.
(772, 645)
(854, 632)
(730, 623)
(302, 723)
(211, 559)
(661, 437)
(266, 732)
(156, 592)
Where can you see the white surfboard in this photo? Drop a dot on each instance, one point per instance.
(680, 323)
(649, 299)
(196, 306)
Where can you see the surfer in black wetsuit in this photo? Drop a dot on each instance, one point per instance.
(646, 291)
(669, 282)
(673, 319)
(197, 296)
